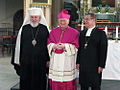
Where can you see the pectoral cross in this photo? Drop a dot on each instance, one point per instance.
(85, 45)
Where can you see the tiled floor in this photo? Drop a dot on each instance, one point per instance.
(8, 77)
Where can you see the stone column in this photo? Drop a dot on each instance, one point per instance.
(26, 5)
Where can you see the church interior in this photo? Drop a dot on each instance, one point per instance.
(108, 19)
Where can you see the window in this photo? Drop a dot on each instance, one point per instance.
(40, 1)
(110, 3)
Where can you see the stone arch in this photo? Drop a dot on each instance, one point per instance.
(17, 21)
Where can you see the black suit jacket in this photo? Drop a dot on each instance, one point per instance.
(93, 56)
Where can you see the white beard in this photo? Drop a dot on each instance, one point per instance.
(34, 25)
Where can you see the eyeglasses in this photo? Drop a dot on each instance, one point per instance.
(87, 19)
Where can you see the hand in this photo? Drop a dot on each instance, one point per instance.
(55, 46)
(100, 69)
(47, 63)
(61, 46)
(78, 66)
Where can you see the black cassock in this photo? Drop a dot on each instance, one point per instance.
(91, 55)
(33, 58)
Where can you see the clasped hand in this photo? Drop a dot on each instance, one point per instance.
(59, 46)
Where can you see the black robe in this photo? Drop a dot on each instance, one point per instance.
(33, 58)
(92, 57)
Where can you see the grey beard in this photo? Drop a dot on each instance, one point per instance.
(34, 25)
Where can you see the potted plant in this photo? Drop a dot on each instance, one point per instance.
(107, 8)
(99, 8)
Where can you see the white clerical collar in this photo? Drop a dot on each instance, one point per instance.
(89, 31)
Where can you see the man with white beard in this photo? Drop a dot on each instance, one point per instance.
(31, 51)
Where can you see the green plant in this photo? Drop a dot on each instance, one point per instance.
(99, 8)
(107, 8)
